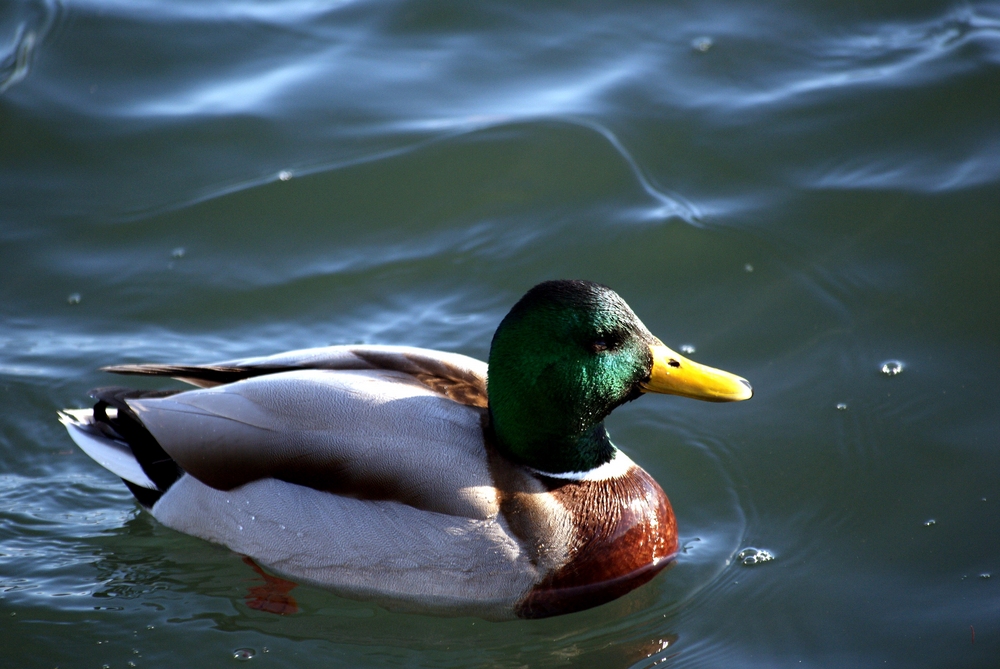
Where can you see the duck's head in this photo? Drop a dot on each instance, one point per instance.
(565, 356)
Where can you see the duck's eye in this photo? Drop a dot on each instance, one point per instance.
(599, 345)
(673, 363)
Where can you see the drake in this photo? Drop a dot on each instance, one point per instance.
(391, 474)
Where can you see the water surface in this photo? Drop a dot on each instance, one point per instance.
(801, 192)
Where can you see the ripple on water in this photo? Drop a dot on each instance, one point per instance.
(20, 33)
(702, 44)
(244, 654)
(892, 367)
(750, 557)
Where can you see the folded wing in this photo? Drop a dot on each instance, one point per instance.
(366, 422)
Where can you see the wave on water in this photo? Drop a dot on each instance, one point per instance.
(898, 54)
(23, 25)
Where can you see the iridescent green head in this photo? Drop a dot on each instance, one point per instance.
(565, 356)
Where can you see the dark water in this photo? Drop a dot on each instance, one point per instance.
(801, 191)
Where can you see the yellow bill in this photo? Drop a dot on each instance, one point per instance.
(673, 374)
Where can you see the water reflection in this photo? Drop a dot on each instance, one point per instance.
(173, 580)
(23, 26)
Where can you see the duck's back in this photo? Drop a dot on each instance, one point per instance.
(367, 434)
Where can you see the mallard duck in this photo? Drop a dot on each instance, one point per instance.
(389, 473)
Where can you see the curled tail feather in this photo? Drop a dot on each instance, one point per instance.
(116, 439)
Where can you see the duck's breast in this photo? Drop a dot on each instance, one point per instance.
(624, 534)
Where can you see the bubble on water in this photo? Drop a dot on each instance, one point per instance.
(841, 406)
(73, 298)
(754, 556)
(892, 367)
(928, 523)
(285, 175)
(178, 252)
(244, 654)
(702, 44)
(687, 349)
(748, 267)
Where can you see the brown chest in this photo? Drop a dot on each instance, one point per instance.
(624, 533)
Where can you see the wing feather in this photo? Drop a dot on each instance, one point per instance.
(459, 378)
(370, 434)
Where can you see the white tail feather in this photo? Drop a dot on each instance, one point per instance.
(114, 456)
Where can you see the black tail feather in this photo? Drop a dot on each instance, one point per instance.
(146, 497)
(125, 426)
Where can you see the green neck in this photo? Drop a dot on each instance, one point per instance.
(545, 443)
(565, 356)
